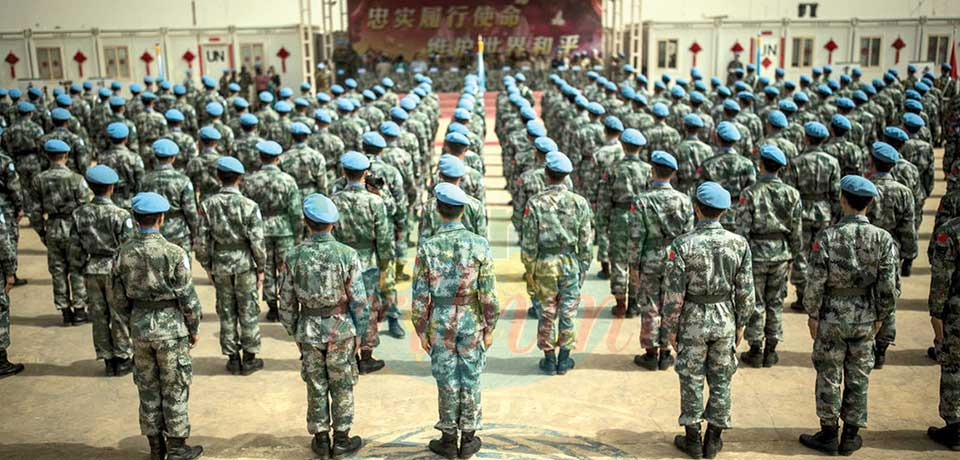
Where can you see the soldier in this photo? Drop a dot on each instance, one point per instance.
(8, 263)
(531, 182)
(603, 158)
(209, 96)
(185, 142)
(239, 106)
(557, 248)
(151, 125)
(230, 248)
(202, 169)
(59, 192)
(346, 127)
(99, 229)
(191, 123)
(708, 287)
(214, 118)
(770, 217)
(276, 193)
(661, 215)
(306, 165)
(918, 151)
(155, 289)
(943, 289)
(245, 144)
(323, 306)
(450, 170)
(365, 227)
(180, 222)
(118, 115)
(456, 144)
(390, 181)
(279, 131)
(20, 141)
(396, 156)
(11, 199)
(454, 308)
(848, 154)
(300, 107)
(732, 170)
(852, 287)
(127, 164)
(662, 136)
(266, 114)
(777, 135)
(79, 151)
(691, 153)
(329, 146)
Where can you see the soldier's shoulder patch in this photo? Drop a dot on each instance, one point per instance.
(128, 222)
(526, 211)
(186, 260)
(672, 255)
(743, 200)
(942, 237)
(11, 167)
(699, 170)
(816, 246)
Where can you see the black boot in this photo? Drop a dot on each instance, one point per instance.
(712, 441)
(469, 444)
(321, 445)
(17, 282)
(906, 268)
(690, 443)
(344, 444)
(850, 441)
(880, 355)
(7, 368)
(770, 356)
(825, 440)
(110, 367)
(122, 366)
(754, 357)
(647, 360)
(620, 309)
(548, 365)
(233, 364)
(250, 363)
(564, 361)
(948, 436)
(798, 304)
(446, 446)
(395, 329)
(273, 313)
(666, 359)
(158, 448)
(368, 364)
(177, 449)
(933, 353)
(632, 310)
(67, 316)
(80, 316)
(532, 313)
(401, 276)
(604, 271)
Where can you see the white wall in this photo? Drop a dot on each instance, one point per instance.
(742, 10)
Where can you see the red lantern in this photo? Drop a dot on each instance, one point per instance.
(80, 58)
(189, 57)
(283, 54)
(695, 49)
(831, 46)
(12, 59)
(147, 58)
(898, 45)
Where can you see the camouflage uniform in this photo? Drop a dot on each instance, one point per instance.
(245, 150)
(852, 283)
(129, 166)
(202, 171)
(79, 157)
(21, 142)
(307, 167)
(474, 219)
(662, 136)
(734, 172)
(349, 131)
(8, 263)
(920, 153)
(943, 305)
(454, 305)
(619, 188)
(181, 221)
(851, 157)
(708, 288)
(11, 195)
(151, 125)
(691, 152)
(330, 148)
(603, 158)
(230, 248)
(187, 144)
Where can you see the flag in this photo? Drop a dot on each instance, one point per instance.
(953, 61)
(481, 75)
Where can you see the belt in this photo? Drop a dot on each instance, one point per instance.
(706, 298)
(624, 205)
(815, 196)
(458, 300)
(556, 251)
(59, 215)
(847, 292)
(230, 246)
(322, 312)
(771, 236)
(155, 304)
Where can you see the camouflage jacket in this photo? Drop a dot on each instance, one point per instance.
(403, 162)
(557, 222)
(620, 185)
(662, 137)
(944, 258)
(852, 158)
(58, 192)
(245, 150)
(278, 197)
(225, 146)
(8, 248)
(782, 142)
(349, 131)
(893, 211)
(660, 215)
(99, 229)
(133, 139)
(471, 183)
(307, 167)
(364, 225)
(151, 125)
(80, 155)
(474, 219)
(770, 216)
(188, 147)
(734, 172)
(817, 176)
(202, 171)
(11, 192)
(920, 153)
(129, 166)
(691, 153)
(22, 138)
(329, 146)
(230, 234)
(529, 184)
(181, 220)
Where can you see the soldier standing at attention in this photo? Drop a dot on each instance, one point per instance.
(151, 125)
(603, 158)
(202, 168)
(557, 247)
(276, 193)
(245, 146)
(732, 170)
(770, 217)
(230, 248)
(323, 306)
(127, 164)
(186, 143)
(181, 220)
(944, 289)
(304, 163)
(661, 215)
(852, 287)
(99, 229)
(156, 292)
(708, 288)
(8, 264)
(449, 170)
(58, 192)
(691, 153)
(455, 311)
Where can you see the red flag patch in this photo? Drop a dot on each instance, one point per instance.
(526, 211)
(672, 255)
(743, 201)
(699, 171)
(633, 207)
(816, 246)
(941, 237)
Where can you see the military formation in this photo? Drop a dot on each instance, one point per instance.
(703, 202)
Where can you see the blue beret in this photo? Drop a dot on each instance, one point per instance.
(861, 96)
(642, 79)
(320, 209)
(682, 82)
(893, 71)
(240, 102)
(248, 119)
(773, 153)
(214, 108)
(805, 80)
(527, 113)
(461, 114)
(771, 91)
(884, 152)
(911, 68)
(695, 73)
(786, 105)
(661, 110)
(379, 90)
(149, 203)
(815, 129)
(715, 81)
(450, 194)
(728, 132)
(921, 87)
(270, 148)
(692, 120)
(696, 97)
(665, 78)
(230, 165)
(233, 87)
(816, 71)
(57, 91)
(322, 116)
(713, 195)
(699, 85)
(764, 80)
(101, 175)
(173, 115)
(595, 108)
(64, 100)
(419, 91)
(946, 67)
(354, 161)
(351, 83)
(56, 146)
(117, 130)
(520, 77)
(304, 86)
(731, 105)
(451, 166)
(208, 82)
(368, 94)
(387, 82)
(677, 91)
(117, 101)
(628, 68)
(641, 98)
(845, 103)
(659, 85)
(15, 93)
(265, 97)
(778, 71)
(724, 91)
(912, 94)
(136, 88)
(827, 68)
(60, 114)
(165, 148)
(344, 104)
(456, 138)
(777, 119)
(858, 185)
(558, 162)
(789, 84)
(751, 67)
(408, 104)
(535, 128)
(374, 139)
(3, 92)
(913, 105)
(824, 90)
(845, 78)
(88, 85)
(741, 86)
(628, 92)
(285, 92)
(895, 133)
(913, 120)
(856, 72)
(746, 95)
(389, 128)
(801, 97)
(545, 144)
(179, 90)
(210, 133)
(612, 122)
(659, 157)
(282, 107)
(337, 90)
(148, 96)
(299, 128)
(633, 137)
(840, 121)
(323, 97)
(460, 128)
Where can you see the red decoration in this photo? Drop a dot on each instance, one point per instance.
(12, 59)
(830, 46)
(283, 54)
(80, 58)
(766, 62)
(189, 57)
(147, 58)
(737, 47)
(898, 45)
(695, 48)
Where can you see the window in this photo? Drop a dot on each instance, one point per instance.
(251, 54)
(49, 61)
(937, 48)
(802, 55)
(869, 52)
(118, 61)
(667, 54)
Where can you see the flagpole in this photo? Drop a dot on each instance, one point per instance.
(481, 75)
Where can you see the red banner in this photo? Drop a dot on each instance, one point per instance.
(448, 27)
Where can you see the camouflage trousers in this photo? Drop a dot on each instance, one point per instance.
(557, 281)
(388, 295)
(887, 334)
(710, 357)
(949, 357)
(652, 334)
(4, 321)
(68, 290)
(239, 312)
(623, 274)
(798, 270)
(28, 167)
(603, 241)
(770, 281)
(111, 327)
(276, 247)
(457, 359)
(184, 243)
(163, 371)
(330, 372)
(371, 281)
(843, 355)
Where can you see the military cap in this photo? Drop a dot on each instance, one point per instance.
(695, 73)
(60, 114)
(845, 103)
(771, 91)
(806, 80)
(778, 71)
(344, 105)
(665, 78)
(535, 128)
(451, 166)
(773, 153)
(282, 107)
(116, 85)
(912, 120)
(323, 97)
(233, 87)
(612, 122)
(628, 68)
(946, 67)
(214, 109)
(374, 139)
(677, 92)
(398, 113)
(777, 119)
(913, 105)
(642, 79)
(815, 130)
(789, 84)
(456, 127)
(520, 77)
(408, 104)
(164, 148)
(731, 105)
(387, 82)
(450, 194)
(527, 113)
(117, 130)
(64, 100)
(738, 72)
(3, 92)
(456, 138)
(816, 71)
(660, 110)
(845, 78)
(824, 90)
(179, 90)
(884, 152)
(354, 161)
(117, 101)
(682, 82)
(149, 203)
(230, 164)
(240, 102)
(840, 121)
(692, 120)
(101, 175)
(56, 91)
(696, 97)
(633, 137)
(368, 94)
(659, 157)
(285, 92)
(299, 128)
(715, 81)
(461, 114)
(728, 132)
(210, 133)
(659, 85)
(827, 68)
(320, 209)
(641, 98)
(248, 119)
(911, 68)
(545, 144)
(350, 83)
(558, 162)
(56, 146)
(165, 85)
(912, 94)
(858, 185)
(895, 133)
(265, 97)
(337, 90)
(595, 108)
(856, 72)
(389, 128)
(787, 106)
(741, 86)
(88, 85)
(745, 95)
(724, 91)
(208, 82)
(610, 86)
(628, 92)
(269, 148)
(751, 67)
(859, 96)
(699, 85)
(148, 96)
(713, 195)
(301, 102)
(921, 87)
(801, 97)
